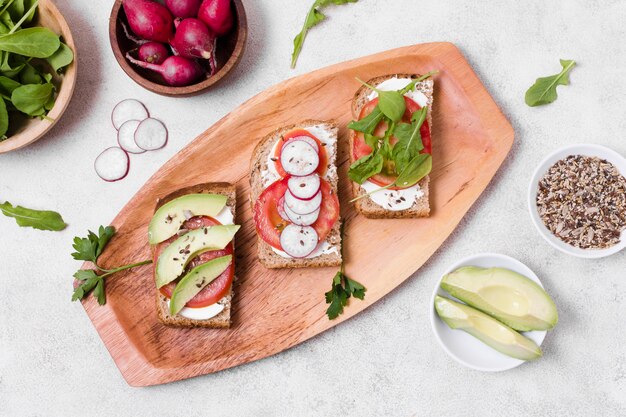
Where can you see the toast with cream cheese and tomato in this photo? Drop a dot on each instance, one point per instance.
(293, 193)
(192, 239)
(390, 149)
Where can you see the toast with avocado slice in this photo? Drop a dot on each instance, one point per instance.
(389, 203)
(202, 275)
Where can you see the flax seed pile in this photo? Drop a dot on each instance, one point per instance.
(582, 201)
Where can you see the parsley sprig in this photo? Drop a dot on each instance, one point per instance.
(89, 249)
(341, 290)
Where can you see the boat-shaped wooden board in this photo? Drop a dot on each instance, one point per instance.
(277, 309)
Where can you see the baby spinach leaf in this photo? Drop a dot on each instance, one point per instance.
(30, 75)
(544, 89)
(61, 58)
(365, 167)
(409, 139)
(416, 169)
(34, 42)
(37, 219)
(7, 85)
(4, 119)
(32, 98)
(368, 123)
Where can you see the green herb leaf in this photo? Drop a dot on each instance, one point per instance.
(90, 248)
(85, 287)
(37, 219)
(37, 42)
(416, 169)
(32, 99)
(544, 89)
(366, 167)
(98, 292)
(390, 103)
(368, 123)
(85, 274)
(409, 138)
(4, 119)
(7, 85)
(30, 75)
(413, 83)
(314, 17)
(61, 58)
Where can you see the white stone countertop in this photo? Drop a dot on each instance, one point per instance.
(385, 361)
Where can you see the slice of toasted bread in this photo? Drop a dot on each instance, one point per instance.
(366, 206)
(261, 177)
(223, 319)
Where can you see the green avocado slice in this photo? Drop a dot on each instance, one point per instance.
(170, 216)
(513, 299)
(198, 278)
(487, 329)
(174, 258)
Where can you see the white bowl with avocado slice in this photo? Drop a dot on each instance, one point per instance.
(515, 297)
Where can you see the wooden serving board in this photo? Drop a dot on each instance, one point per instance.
(471, 138)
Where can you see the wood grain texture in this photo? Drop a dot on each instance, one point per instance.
(28, 130)
(472, 139)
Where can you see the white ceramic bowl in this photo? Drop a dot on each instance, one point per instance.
(579, 149)
(465, 348)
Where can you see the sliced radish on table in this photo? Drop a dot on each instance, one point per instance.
(126, 110)
(280, 205)
(299, 158)
(306, 139)
(126, 137)
(298, 241)
(112, 164)
(299, 206)
(302, 219)
(151, 134)
(304, 188)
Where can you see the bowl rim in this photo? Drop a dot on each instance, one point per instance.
(519, 267)
(586, 149)
(65, 91)
(188, 90)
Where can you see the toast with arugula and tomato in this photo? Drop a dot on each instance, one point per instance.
(390, 146)
(191, 235)
(293, 183)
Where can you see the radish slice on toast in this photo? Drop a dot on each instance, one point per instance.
(298, 241)
(304, 188)
(299, 158)
(306, 139)
(112, 164)
(129, 109)
(280, 206)
(299, 206)
(126, 137)
(151, 134)
(302, 219)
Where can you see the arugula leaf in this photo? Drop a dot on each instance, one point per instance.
(390, 103)
(409, 139)
(416, 169)
(32, 99)
(37, 219)
(366, 167)
(37, 42)
(368, 123)
(543, 91)
(314, 17)
(89, 249)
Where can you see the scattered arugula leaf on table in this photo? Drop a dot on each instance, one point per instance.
(25, 217)
(89, 249)
(543, 91)
(314, 17)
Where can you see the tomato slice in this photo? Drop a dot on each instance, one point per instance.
(323, 166)
(220, 286)
(361, 148)
(269, 223)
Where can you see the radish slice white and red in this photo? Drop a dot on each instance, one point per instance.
(299, 158)
(280, 206)
(306, 139)
(304, 188)
(112, 164)
(302, 219)
(299, 206)
(126, 137)
(151, 134)
(129, 109)
(298, 241)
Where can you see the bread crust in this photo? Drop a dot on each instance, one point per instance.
(223, 319)
(366, 206)
(258, 163)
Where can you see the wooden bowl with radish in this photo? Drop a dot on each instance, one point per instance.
(177, 47)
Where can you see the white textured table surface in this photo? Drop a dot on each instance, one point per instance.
(386, 360)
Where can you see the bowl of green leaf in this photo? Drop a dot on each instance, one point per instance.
(37, 70)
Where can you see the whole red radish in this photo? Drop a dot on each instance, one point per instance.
(217, 15)
(153, 52)
(183, 8)
(149, 20)
(193, 39)
(175, 70)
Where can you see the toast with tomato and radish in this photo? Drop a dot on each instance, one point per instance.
(390, 146)
(293, 186)
(192, 239)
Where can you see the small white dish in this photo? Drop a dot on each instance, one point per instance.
(580, 149)
(465, 348)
